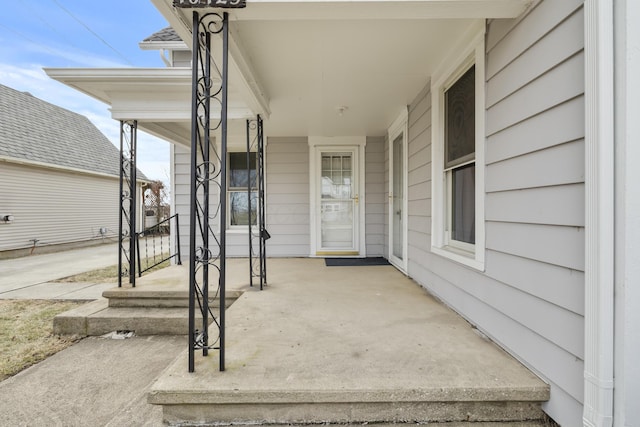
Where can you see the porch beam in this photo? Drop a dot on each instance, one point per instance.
(382, 9)
(241, 70)
(286, 10)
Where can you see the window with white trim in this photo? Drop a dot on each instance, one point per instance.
(237, 192)
(458, 158)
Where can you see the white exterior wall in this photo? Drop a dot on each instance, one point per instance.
(181, 167)
(55, 206)
(376, 196)
(530, 298)
(287, 196)
(287, 199)
(181, 58)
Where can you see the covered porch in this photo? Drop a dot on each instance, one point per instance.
(341, 345)
(348, 345)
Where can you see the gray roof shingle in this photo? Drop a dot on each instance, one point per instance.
(35, 130)
(165, 35)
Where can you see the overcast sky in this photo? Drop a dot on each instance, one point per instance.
(81, 33)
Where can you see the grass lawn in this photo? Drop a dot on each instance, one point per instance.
(26, 326)
(26, 333)
(108, 274)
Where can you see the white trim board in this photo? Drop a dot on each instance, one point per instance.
(599, 213)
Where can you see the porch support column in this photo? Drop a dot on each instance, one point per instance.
(599, 214)
(258, 234)
(128, 199)
(207, 257)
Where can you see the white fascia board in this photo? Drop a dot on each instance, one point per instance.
(173, 75)
(159, 45)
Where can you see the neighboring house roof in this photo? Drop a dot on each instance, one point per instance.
(34, 130)
(167, 38)
(165, 35)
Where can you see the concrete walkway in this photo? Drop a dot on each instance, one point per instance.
(96, 382)
(29, 277)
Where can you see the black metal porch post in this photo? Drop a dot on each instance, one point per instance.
(208, 167)
(128, 200)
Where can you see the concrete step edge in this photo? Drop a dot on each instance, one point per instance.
(157, 294)
(278, 396)
(353, 412)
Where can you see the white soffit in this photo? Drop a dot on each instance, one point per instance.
(154, 94)
(158, 98)
(100, 82)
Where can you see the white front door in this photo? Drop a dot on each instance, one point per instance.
(337, 200)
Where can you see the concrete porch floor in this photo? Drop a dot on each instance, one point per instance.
(338, 342)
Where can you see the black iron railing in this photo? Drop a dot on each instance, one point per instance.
(257, 232)
(153, 245)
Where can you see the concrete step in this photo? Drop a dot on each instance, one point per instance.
(97, 318)
(204, 406)
(445, 424)
(141, 320)
(145, 297)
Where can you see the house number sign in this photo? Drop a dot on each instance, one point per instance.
(224, 4)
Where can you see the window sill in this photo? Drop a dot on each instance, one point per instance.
(460, 256)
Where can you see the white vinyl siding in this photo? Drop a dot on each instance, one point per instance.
(181, 58)
(535, 97)
(287, 199)
(181, 187)
(55, 206)
(376, 196)
(530, 299)
(419, 183)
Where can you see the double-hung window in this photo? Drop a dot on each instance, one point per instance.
(458, 157)
(460, 160)
(240, 175)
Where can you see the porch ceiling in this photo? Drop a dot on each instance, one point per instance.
(308, 59)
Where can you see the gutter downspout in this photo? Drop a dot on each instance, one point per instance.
(163, 56)
(599, 214)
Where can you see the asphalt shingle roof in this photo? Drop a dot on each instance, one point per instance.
(165, 35)
(35, 130)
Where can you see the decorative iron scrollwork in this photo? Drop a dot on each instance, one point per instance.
(257, 232)
(127, 220)
(207, 261)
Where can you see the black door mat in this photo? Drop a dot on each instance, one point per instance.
(355, 262)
